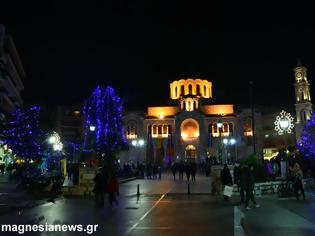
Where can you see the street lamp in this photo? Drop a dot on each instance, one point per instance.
(137, 143)
(284, 125)
(56, 144)
(231, 142)
(219, 125)
(92, 128)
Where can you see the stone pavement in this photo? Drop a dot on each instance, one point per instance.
(165, 208)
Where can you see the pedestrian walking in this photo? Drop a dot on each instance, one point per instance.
(174, 170)
(100, 185)
(193, 168)
(188, 171)
(181, 171)
(242, 182)
(160, 172)
(297, 178)
(249, 187)
(113, 188)
(226, 179)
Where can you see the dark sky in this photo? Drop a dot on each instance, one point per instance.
(139, 47)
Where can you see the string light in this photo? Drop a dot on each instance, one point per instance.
(103, 110)
(23, 133)
(306, 144)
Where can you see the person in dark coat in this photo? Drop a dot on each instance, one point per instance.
(297, 177)
(174, 170)
(193, 169)
(181, 170)
(249, 187)
(242, 181)
(100, 184)
(113, 188)
(188, 171)
(226, 179)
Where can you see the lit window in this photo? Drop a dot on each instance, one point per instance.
(248, 127)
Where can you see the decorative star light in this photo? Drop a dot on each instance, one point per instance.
(284, 123)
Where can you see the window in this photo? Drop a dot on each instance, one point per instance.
(131, 130)
(165, 129)
(154, 130)
(198, 89)
(176, 91)
(190, 89)
(215, 130)
(182, 90)
(231, 129)
(248, 131)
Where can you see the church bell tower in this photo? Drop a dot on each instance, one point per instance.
(303, 103)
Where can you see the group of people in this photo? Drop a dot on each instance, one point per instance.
(153, 171)
(245, 179)
(189, 168)
(106, 182)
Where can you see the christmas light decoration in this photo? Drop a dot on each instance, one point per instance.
(22, 133)
(284, 123)
(103, 112)
(306, 144)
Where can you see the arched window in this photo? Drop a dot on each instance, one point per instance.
(204, 90)
(131, 130)
(182, 90)
(154, 130)
(196, 105)
(198, 89)
(210, 129)
(176, 91)
(159, 129)
(248, 131)
(189, 89)
(215, 130)
(165, 131)
(225, 128)
(231, 129)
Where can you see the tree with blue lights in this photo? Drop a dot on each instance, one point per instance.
(22, 133)
(306, 144)
(104, 131)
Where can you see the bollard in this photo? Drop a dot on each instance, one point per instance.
(138, 190)
(188, 189)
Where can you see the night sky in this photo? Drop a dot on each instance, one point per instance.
(139, 47)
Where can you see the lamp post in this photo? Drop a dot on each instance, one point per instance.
(219, 125)
(229, 142)
(56, 144)
(138, 143)
(284, 125)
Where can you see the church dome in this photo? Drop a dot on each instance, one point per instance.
(191, 87)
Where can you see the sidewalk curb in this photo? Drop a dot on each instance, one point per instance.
(127, 180)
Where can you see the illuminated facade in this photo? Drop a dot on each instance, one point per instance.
(303, 103)
(195, 129)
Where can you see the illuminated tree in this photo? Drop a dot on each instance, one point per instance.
(22, 133)
(306, 144)
(104, 131)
